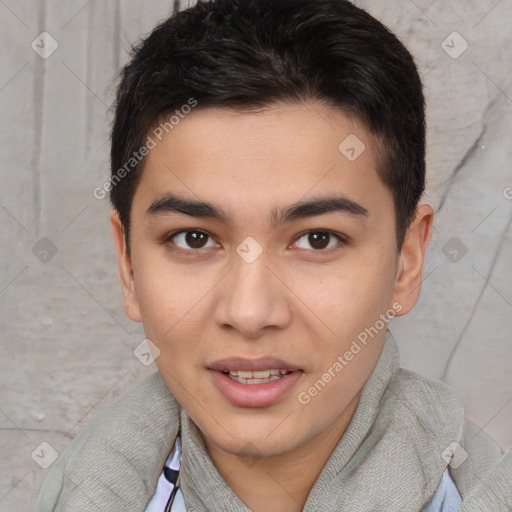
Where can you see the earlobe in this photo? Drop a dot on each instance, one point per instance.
(412, 254)
(124, 261)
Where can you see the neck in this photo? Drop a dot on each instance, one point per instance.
(281, 483)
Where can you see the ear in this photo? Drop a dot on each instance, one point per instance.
(131, 305)
(409, 273)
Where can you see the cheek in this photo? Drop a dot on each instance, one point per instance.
(166, 303)
(169, 294)
(354, 295)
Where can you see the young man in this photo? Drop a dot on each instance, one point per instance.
(268, 158)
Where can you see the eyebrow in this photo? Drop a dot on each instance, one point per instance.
(172, 203)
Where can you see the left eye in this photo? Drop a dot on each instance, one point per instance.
(319, 240)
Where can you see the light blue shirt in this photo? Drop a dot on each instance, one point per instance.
(446, 498)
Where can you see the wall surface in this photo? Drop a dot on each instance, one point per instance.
(67, 347)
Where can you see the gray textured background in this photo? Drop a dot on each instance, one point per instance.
(67, 347)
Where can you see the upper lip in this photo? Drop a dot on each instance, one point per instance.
(262, 363)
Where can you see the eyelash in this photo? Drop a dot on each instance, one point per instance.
(342, 240)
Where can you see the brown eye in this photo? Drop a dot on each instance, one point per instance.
(189, 240)
(320, 240)
(195, 239)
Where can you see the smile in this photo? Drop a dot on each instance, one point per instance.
(255, 377)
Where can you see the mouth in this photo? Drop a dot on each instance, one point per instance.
(254, 382)
(255, 377)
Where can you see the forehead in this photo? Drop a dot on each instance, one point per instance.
(272, 131)
(246, 161)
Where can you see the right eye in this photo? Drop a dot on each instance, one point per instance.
(193, 238)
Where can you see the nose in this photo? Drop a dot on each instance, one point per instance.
(253, 299)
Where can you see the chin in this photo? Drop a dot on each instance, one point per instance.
(244, 443)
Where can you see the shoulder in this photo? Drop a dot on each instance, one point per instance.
(115, 460)
(483, 474)
(493, 491)
(474, 458)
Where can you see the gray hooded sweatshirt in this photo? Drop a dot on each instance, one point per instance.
(392, 456)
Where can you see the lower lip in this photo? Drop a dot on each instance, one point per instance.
(254, 395)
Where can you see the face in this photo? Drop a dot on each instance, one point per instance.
(255, 301)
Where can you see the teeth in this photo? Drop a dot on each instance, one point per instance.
(262, 374)
(255, 381)
(259, 376)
